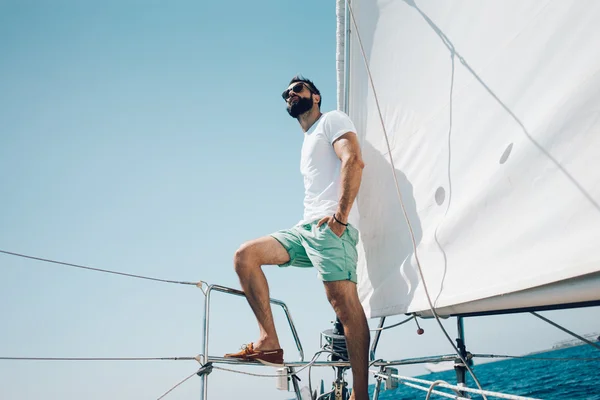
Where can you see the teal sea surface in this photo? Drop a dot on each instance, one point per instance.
(576, 376)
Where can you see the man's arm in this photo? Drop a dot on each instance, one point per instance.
(348, 151)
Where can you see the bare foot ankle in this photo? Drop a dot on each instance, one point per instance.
(264, 345)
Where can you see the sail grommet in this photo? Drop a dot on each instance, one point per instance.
(506, 154)
(440, 195)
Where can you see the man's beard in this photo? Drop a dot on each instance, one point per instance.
(303, 105)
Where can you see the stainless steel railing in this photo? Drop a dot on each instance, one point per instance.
(223, 289)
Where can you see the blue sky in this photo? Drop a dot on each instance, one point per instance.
(150, 137)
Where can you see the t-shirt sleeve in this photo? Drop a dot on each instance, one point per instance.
(337, 124)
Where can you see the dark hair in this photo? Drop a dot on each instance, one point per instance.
(308, 82)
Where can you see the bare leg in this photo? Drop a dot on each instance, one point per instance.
(344, 298)
(248, 260)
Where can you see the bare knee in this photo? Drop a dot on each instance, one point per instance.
(344, 299)
(340, 305)
(243, 258)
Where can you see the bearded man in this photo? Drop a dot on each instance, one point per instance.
(331, 164)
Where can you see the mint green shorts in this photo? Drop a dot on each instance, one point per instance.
(310, 246)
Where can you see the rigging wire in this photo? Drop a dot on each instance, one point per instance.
(591, 359)
(177, 385)
(566, 330)
(399, 193)
(198, 284)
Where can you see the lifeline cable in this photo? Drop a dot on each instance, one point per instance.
(312, 361)
(101, 270)
(412, 234)
(99, 358)
(237, 371)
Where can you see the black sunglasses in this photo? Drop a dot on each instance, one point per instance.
(297, 88)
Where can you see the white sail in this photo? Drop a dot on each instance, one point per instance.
(493, 115)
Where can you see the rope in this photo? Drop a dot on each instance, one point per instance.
(566, 330)
(174, 387)
(399, 193)
(99, 358)
(434, 384)
(447, 395)
(394, 325)
(198, 284)
(456, 387)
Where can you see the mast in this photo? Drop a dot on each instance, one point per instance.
(342, 54)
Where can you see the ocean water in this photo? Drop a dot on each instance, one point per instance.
(542, 379)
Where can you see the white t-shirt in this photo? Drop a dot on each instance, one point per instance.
(320, 165)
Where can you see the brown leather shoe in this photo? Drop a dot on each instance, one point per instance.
(268, 357)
